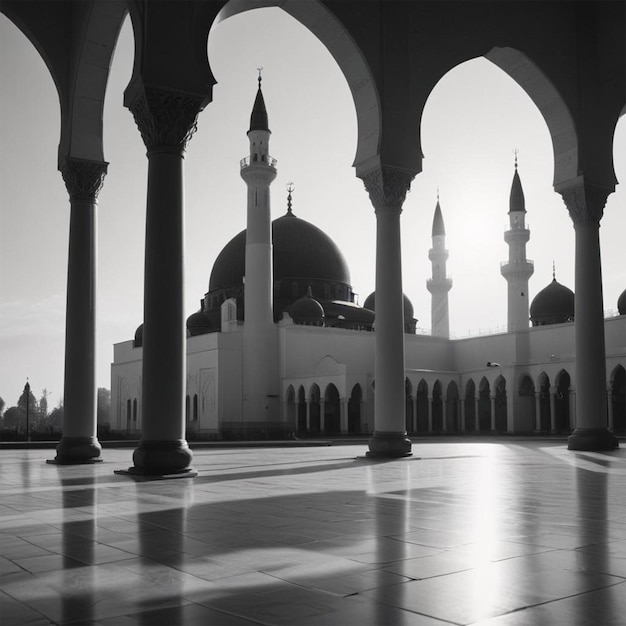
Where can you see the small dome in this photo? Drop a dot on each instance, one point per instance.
(552, 305)
(621, 303)
(138, 341)
(307, 310)
(199, 323)
(370, 303)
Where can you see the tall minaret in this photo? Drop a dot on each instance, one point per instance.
(260, 338)
(439, 284)
(517, 270)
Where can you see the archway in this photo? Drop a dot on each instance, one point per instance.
(422, 406)
(545, 406)
(452, 407)
(500, 405)
(618, 399)
(332, 411)
(470, 406)
(314, 410)
(526, 418)
(354, 409)
(408, 393)
(301, 418)
(562, 403)
(292, 407)
(484, 406)
(437, 408)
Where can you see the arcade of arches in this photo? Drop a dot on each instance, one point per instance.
(379, 46)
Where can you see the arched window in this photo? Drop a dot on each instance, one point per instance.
(332, 410)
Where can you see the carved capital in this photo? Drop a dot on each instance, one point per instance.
(83, 179)
(165, 119)
(585, 202)
(387, 187)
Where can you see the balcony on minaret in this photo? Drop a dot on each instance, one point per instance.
(439, 285)
(258, 159)
(523, 268)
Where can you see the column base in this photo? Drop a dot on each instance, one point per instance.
(161, 459)
(77, 451)
(592, 439)
(389, 445)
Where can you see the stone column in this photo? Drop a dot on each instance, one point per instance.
(166, 121)
(537, 411)
(322, 416)
(585, 203)
(571, 398)
(387, 188)
(444, 414)
(308, 417)
(79, 444)
(609, 404)
(553, 391)
(492, 398)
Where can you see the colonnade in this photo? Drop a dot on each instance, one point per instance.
(165, 109)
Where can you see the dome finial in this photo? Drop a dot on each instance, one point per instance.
(290, 188)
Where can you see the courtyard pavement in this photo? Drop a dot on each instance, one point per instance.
(480, 532)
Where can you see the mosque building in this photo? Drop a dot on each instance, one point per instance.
(279, 347)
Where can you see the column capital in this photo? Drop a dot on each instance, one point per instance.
(387, 187)
(166, 119)
(584, 201)
(83, 178)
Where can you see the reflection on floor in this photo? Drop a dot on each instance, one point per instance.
(495, 533)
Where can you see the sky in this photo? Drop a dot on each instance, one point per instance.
(474, 119)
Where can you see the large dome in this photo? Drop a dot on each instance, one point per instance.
(552, 305)
(301, 252)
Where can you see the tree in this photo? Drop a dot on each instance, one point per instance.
(2, 405)
(104, 405)
(43, 404)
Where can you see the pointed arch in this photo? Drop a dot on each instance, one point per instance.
(354, 409)
(452, 407)
(545, 403)
(291, 409)
(500, 404)
(437, 407)
(562, 417)
(332, 410)
(408, 396)
(315, 417)
(301, 426)
(318, 19)
(422, 406)
(618, 399)
(484, 405)
(470, 405)
(526, 418)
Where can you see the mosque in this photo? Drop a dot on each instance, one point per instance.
(280, 348)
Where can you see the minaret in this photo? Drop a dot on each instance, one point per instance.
(260, 338)
(439, 284)
(517, 270)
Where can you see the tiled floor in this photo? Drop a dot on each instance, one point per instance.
(499, 533)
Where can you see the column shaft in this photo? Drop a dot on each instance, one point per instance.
(537, 411)
(79, 444)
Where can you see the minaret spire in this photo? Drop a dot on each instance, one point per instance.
(260, 381)
(439, 285)
(518, 269)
